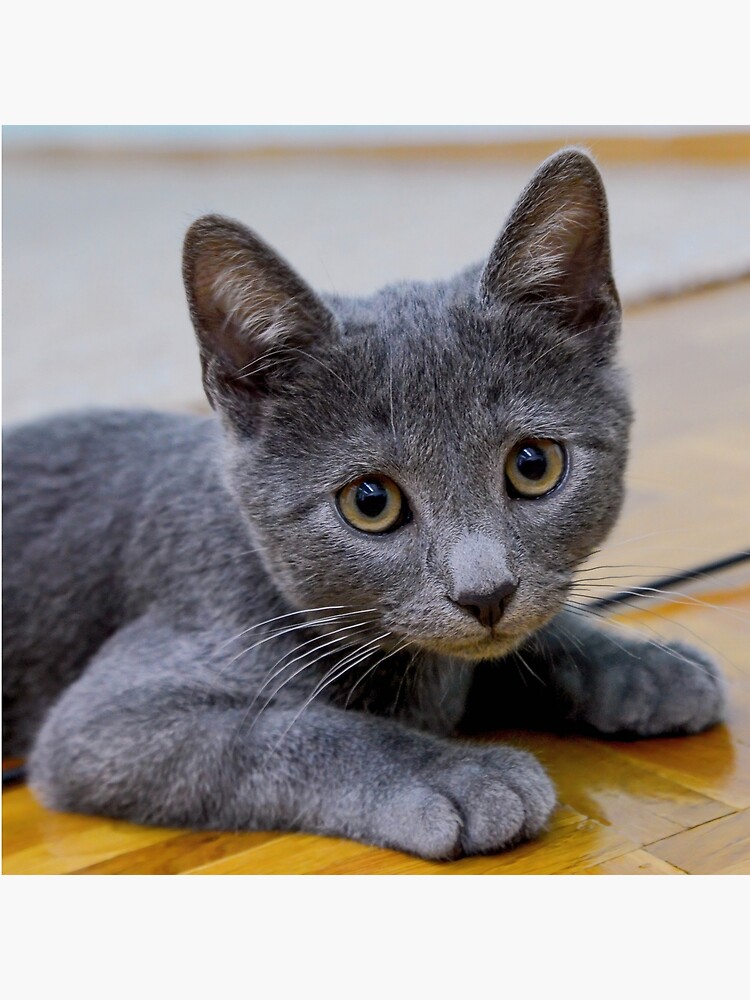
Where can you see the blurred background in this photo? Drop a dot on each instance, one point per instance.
(93, 220)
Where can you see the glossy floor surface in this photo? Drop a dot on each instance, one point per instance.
(661, 806)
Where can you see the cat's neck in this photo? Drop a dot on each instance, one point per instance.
(425, 690)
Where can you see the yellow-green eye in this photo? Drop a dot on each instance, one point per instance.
(534, 467)
(373, 503)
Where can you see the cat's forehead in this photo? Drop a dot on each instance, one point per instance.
(414, 308)
(439, 345)
(432, 387)
(426, 374)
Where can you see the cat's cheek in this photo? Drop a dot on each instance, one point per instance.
(320, 559)
(572, 520)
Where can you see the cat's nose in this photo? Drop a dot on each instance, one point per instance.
(487, 608)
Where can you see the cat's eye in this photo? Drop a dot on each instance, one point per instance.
(534, 468)
(374, 504)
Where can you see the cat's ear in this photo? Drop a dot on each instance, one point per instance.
(250, 310)
(554, 250)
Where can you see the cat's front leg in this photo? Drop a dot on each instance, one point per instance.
(621, 683)
(145, 735)
(606, 678)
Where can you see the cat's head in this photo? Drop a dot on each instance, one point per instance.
(442, 454)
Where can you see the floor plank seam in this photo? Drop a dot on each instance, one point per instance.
(688, 829)
(682, 871)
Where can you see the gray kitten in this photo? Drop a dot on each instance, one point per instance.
(275, 617)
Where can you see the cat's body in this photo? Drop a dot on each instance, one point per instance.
(136, 519)
(202, 626)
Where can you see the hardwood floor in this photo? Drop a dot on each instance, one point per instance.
(662, 806)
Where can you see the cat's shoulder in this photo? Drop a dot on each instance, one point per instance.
(88, 427)
(83, 443)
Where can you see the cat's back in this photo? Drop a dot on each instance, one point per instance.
(72, 487)
(82, 470)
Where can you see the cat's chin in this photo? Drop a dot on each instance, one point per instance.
(490, 648)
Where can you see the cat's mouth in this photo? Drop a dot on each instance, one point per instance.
(488, 644)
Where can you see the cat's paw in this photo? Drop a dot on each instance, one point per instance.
(477, 801)
(659, 690)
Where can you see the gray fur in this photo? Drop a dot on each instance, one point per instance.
(143, 552)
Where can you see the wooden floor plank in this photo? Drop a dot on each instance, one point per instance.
(688, 480)
(292, 854)
(572, 843)
(635, 863)
(715, 763)
(629, 795)
(712, 763)
(179, 854)
(42, 842)
(721, 847)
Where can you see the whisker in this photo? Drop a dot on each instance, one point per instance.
(287, 680)
(639, 566)
(352, 660)
(316, 639)
(690, 600)
(290, 614)
(532, 672)
(378, 663)
(583, 611)
(312, 357)
(277, 633)
(686, 628)
(303, 667)
(330, 680)
(276, 350)
(578, 607)
(652, 534)
(409, 666)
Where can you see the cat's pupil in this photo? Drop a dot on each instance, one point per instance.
(372, 498)
(531, 462)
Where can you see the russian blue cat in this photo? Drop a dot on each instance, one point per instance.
(278, 616)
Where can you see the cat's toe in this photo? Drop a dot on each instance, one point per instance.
(492, 814)
(475, 801)
(694, 696)
(669, 689)
(525, 775)
(504, 796)
(421, 820)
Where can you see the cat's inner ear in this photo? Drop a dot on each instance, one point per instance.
(554, 249)
(249, 308)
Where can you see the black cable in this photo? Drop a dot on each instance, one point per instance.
(636, 593)
(14, 775)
